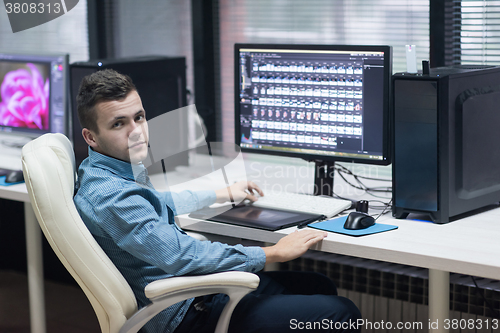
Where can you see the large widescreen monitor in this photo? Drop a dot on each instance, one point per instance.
(317, 102)
(33, 94)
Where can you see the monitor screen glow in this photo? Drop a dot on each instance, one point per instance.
(24, 95)
(317, 102)
(33, 94)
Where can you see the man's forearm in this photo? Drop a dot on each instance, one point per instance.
(222, 195)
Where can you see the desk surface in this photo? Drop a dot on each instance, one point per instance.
(10, 158)
(469, 246)
(16, 192)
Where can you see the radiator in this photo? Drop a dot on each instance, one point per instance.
(393, 295)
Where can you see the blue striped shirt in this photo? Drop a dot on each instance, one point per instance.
(135, 227)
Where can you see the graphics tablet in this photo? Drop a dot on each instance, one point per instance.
(256, 217)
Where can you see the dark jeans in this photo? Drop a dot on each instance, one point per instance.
(283, 302)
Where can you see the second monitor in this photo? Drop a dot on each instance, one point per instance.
(322, 103)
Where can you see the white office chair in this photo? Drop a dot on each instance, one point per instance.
(49, 172)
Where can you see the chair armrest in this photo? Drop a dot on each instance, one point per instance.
(167, 292)
(162, 287)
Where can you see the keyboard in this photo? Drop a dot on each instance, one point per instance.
(10, 162)
(303, 203)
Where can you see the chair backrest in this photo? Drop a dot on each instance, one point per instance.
(49, 172)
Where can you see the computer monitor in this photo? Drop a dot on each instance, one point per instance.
(322, 103)
(33, 94)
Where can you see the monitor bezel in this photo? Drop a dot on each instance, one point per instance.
(387, 132)
(41, 58)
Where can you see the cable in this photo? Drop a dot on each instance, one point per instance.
(348, 171)
(385, 210)
(341, 169)
(384, 205)
(492, 309)
(362, 186)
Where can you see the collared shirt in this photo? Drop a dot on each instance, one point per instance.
(134, 224)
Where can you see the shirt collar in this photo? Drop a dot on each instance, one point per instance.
(121, 168)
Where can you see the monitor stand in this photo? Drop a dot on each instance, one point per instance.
(323, 177)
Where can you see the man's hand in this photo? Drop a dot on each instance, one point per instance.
(293, 245)
(238, 192)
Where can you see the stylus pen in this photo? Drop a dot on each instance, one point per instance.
(304, 224)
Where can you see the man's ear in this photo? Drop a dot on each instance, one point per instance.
(90, 138)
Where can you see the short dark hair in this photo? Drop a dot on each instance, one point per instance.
(101, 86)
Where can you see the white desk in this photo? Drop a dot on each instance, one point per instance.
(34, 255)
(10, 158)
(468, 246)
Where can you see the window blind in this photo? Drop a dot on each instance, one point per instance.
(152, 27)
(370, 22)
(477, 29)
(65, 34)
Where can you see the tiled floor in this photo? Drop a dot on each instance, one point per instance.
(67, 307)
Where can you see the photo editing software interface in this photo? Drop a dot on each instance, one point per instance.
(326, 102)
(33, 94)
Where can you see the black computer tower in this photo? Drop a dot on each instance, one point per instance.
(446, 133)
(160, 81)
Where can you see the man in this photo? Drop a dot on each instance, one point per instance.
(134, 224)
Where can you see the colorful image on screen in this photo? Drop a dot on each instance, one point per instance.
(24, 95)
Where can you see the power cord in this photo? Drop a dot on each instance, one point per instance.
(348, 171)
(492, 309)
(341, 170)
(384, 206)
(385, 211)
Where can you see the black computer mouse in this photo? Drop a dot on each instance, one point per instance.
(15, 177)
(358, 221)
